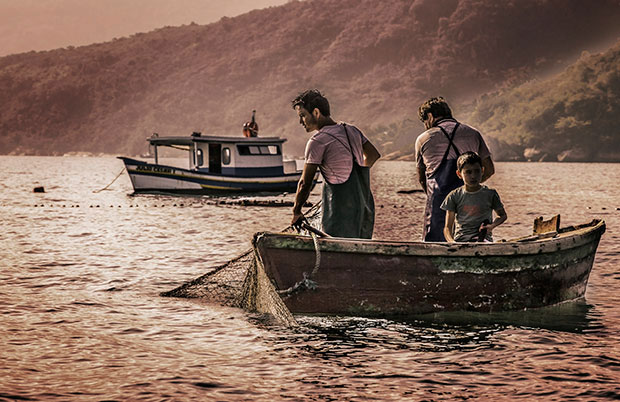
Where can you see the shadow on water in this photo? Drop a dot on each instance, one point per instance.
(331, 337)
(575, 316)
(340, 336)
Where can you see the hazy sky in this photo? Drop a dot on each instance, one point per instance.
(49, 24)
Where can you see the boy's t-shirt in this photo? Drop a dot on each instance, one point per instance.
(471, 210)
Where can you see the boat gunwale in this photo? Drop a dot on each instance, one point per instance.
(568, 238)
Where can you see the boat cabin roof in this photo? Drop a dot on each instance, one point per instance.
(188, 140)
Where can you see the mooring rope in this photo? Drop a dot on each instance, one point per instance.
(112, 182)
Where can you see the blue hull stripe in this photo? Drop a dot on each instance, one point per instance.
(253, 172)
(284, 182)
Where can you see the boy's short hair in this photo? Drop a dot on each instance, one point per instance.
(468, 158)
(438, 107)
(311, 99)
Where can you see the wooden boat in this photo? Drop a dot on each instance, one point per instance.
(216, 165)
(384, 278)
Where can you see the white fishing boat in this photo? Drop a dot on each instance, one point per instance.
(216, 165)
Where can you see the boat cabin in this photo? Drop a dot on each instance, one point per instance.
(230, 156)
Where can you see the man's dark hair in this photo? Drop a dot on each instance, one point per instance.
(438, 107)
(468, 158)
(311, 99)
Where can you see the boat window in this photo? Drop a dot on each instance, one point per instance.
(226, 156)
(199, 157)
(258, 149)
(268, 150)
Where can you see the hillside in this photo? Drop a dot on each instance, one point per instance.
(570, 116)
(376, 61)
(573, 116)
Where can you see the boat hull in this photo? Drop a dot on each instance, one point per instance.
(375, 278)
(148, 178)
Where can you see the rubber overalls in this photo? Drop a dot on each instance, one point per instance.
(438, 186)
(349, 207)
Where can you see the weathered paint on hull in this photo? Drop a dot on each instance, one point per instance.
(373, 279)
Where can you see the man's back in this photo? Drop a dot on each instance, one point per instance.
(329, 148)
(432, 144)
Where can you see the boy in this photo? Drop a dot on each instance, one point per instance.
(472, 204)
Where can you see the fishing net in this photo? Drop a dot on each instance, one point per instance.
(243, 283)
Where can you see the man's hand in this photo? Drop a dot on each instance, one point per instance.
(298, 218)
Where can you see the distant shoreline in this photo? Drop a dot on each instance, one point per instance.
(400, 159)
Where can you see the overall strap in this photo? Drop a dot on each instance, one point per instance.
(450, 140)
(346, 132)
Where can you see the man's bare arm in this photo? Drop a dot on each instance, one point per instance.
(489, 168)
(371, 154)
(422, 176)
(303, 189)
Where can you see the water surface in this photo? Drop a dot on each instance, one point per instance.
(81, 316)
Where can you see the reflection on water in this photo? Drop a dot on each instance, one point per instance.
(81, 271)
(439, 332)
(341, 336)
(575, 316)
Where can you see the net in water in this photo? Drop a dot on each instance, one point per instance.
(242, 283)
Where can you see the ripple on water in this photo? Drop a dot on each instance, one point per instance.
(81, 313)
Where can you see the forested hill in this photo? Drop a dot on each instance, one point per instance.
(573, 115)
(375, 60)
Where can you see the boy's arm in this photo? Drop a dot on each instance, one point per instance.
(448, 230)
(501, 218)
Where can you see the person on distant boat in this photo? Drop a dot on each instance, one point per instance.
(344, 156)
(437, 150)
(472, 204)
(250, 128)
